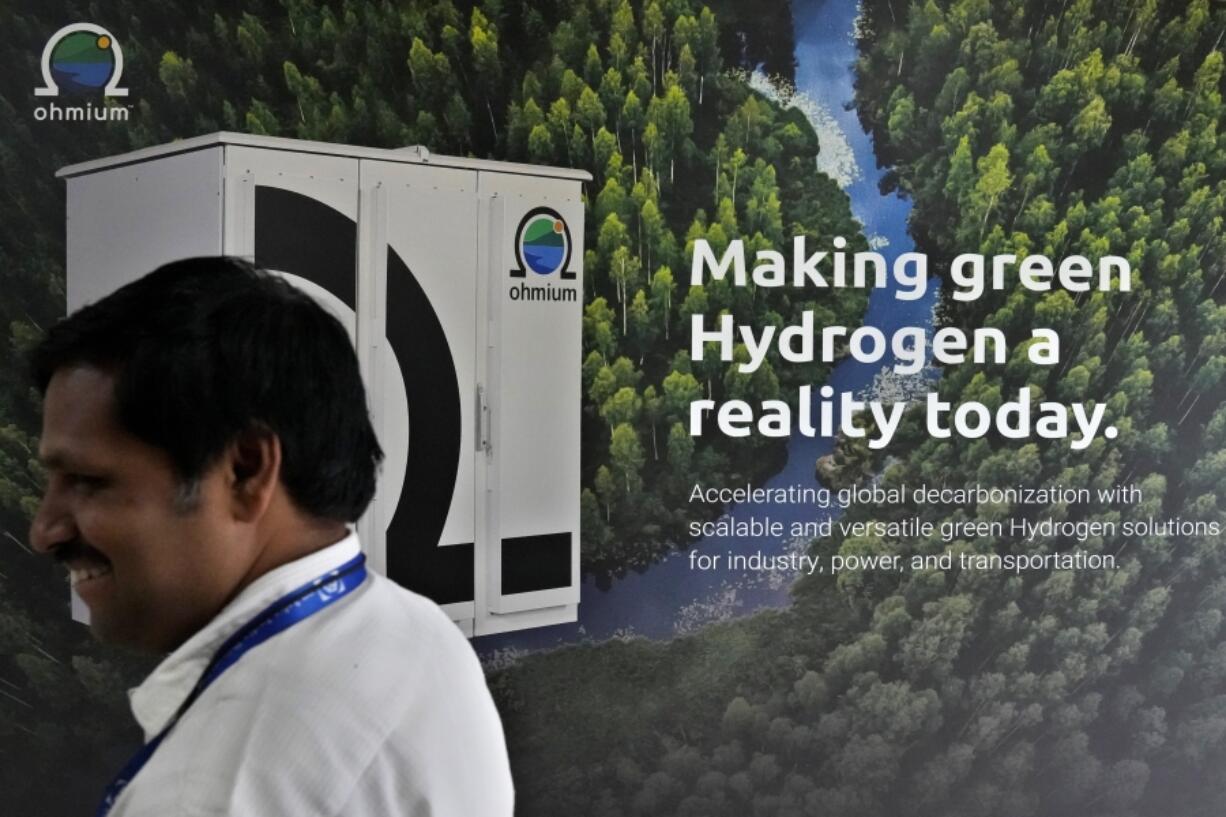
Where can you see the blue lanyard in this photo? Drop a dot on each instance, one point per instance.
(277, 617)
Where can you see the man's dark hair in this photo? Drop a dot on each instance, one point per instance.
(205, 349)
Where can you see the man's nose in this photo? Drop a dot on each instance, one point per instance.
(53, 523)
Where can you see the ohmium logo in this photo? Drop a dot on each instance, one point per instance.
(542, 244)
(81, 60)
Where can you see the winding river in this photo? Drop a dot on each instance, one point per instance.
(669, 598)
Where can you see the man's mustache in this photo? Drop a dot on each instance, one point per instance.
(76, 549)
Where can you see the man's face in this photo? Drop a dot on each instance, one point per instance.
(150, 571)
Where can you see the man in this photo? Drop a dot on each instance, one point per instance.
(206, 442)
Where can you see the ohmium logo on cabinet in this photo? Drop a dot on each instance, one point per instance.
(542, 247)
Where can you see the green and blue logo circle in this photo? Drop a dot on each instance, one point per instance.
(82, 62)
(81, 59)
(542, 243)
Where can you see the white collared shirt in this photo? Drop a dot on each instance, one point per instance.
(375, 706)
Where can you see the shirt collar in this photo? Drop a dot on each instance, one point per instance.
(160, 695)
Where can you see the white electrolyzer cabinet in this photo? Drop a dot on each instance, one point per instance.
(461, 284)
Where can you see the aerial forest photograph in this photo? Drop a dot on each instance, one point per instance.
(935, 127)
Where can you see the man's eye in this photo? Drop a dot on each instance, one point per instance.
(85, 483)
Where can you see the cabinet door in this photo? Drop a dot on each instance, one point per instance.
(418, 260)
(296, 214)
(128, 220)
(534, 293)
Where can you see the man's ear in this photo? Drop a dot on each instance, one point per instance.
(254, 464)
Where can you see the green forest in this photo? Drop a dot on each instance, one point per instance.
(1077, 126)
(1052, 127)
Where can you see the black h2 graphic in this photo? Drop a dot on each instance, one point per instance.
(300, 235)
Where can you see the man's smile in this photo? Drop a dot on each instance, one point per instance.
(85, 563)
(81, 574)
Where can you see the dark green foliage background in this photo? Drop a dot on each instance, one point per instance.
(1058, 127)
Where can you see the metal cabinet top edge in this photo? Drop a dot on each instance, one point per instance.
(403, 155)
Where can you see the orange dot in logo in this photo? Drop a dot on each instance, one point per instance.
(557, 226)
(104, 42)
